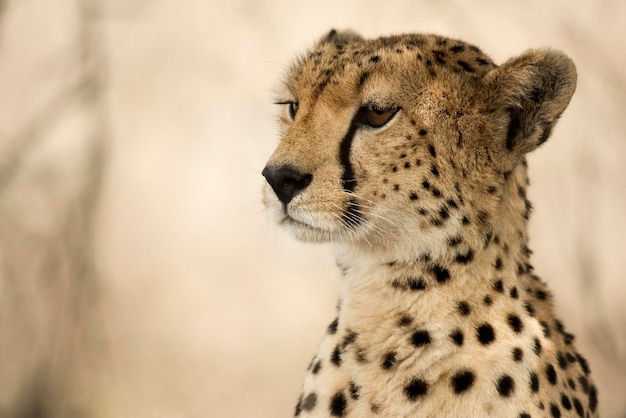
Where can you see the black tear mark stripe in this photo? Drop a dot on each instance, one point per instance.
(351, 215)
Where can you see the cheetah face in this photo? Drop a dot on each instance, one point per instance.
(405, 139)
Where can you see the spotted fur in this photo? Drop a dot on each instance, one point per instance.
(407, 153)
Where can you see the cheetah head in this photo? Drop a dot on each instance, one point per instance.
(404, 141)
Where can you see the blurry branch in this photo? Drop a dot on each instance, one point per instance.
(66, 276)
(27, 138)
(608, 332)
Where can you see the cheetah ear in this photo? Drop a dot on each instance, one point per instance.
(340, 37)
(526, 95)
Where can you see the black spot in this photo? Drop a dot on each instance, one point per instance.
(415, 389)
(555, 411)
(562, 360)
(338, 404)
(413, 196)
(546, 329)
(537, 346)
(374, 59)
(534, 382)
(571, 384)
(524, 415)
(432, 151)
(396, 187)
(513, 293)
(434, 170)
(505, 385)
(441, 274)
(485, 334)
(579, 408)
(423, 132)
(482, 61)
(515, 323)
(426, 184)
(332, 328)
(363, 78)
(551, 374)
(465, 258)
(335, 357)
(491, 190)
(348, 339)
(452, 203)
(309, 402)
(498, 264)
(407, 165)
(465, 66)
(518, 354)
(530, 309)
(436, 192)
(436, 221)
(405, 321)
(463, 308)
(541, 295)
(465, 220)
(565, 402)
(457, 48)
(457, 337)
(443, 212)
(355, 391)
(583, 364)
(487, 300)
(499, 286)
(420, 338)
(389, 360)
(417, 283)
(316, 367)
(593, 398)
(482, 216)
(397, 284)
(462, 381)
(454, 241)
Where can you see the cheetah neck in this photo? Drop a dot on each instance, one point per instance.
(491, 270)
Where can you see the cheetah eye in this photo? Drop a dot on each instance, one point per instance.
(293, 109)
(376, 118)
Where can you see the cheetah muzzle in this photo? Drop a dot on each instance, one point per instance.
(407, 154)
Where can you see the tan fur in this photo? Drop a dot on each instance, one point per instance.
(429, 222)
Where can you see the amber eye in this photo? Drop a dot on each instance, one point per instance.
(293, 109)
(376, 118)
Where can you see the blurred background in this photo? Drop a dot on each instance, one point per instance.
(139, 276)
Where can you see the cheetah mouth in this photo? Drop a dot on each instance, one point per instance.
(291, 221)
(304, 231)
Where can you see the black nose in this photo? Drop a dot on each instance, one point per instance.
(286, 181)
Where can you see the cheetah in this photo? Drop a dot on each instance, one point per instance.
(407, 154)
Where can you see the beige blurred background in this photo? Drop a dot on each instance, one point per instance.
(139, 276)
